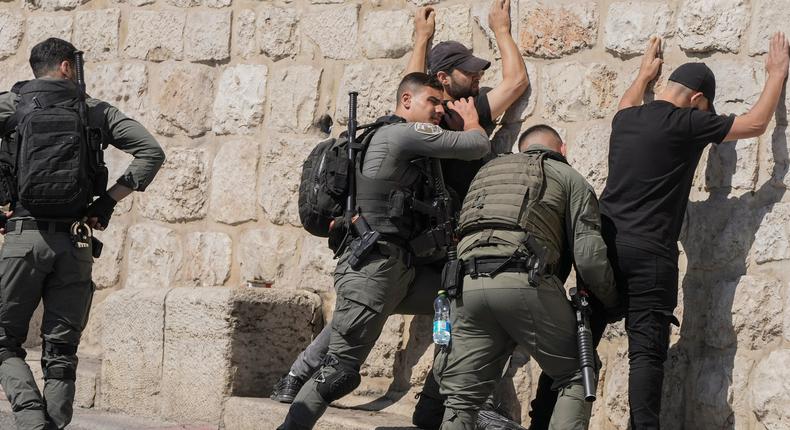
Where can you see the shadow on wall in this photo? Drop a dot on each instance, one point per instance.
(702, 379)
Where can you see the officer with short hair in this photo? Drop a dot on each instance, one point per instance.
(389, 187)
(48, 257)
(527, 218)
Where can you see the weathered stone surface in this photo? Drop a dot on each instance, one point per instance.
(107, 269)
(13, 70)
(453, 23)
(768, 16)
(738, 84)
(616, 389)
(238, 107)
(11, 27)
(134, 3)
(50, 5)
(264, 254)
(179, 191)
(552, 30)
(480, 11)
(279, 186)
(155, 35)
(772, 240)
(770, 389)
(387, 34)
(588, 154)
(294, 92)
(712, 25)
(376, 85)
(277, 32)
(207, 259)
(181, 105)
(217, 3)
(333, 29)
(41, 27)
(577, 92)
(746, 312)
(233, 183)
(718, 234)
(316, 265)
(184, 3)
(381, 361)
(629, 25)
(133, 334)
(154, 257)
(117, 162)
(245, 44)
(97, 33)
(123, 85)
(732, 165)
(207, 35)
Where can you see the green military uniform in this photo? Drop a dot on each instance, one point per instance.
(537, 195)
(38, 262)
(385, 282)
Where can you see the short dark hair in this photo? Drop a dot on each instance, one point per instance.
(414, 80)
(539, 128)
(47, 55)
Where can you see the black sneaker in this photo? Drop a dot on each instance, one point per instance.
(491, 420)
(286, 389)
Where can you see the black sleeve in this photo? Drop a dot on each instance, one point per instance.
(484, 113)
(707, 127)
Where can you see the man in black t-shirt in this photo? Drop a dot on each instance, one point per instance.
(654, 150)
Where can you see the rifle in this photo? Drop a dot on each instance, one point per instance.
(584, 339)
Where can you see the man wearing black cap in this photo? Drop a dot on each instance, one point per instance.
(654, 150)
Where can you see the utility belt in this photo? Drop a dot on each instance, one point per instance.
(489, 267)
(31, 224)
(80, 234)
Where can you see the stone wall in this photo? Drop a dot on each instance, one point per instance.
(232, 89)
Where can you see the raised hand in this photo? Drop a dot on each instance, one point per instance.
(651, 60)
(778, 58)
(425, 23)
(499, 16)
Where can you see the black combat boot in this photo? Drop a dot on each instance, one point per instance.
(286, 389)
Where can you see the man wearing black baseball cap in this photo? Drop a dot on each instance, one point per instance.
(654, 150)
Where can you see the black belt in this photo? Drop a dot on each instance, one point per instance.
(485, 266)
(29, 224)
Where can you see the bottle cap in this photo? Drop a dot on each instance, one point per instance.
(442, 293)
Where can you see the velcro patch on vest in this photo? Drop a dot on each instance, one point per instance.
(426, 128)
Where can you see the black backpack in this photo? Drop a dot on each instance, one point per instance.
(324, 185)
(56, 165)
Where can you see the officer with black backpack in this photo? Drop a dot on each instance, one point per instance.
(51, 168)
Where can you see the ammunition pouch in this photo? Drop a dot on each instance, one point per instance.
(429, 242)
(453, 278)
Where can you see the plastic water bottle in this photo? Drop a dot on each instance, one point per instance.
(441, 319)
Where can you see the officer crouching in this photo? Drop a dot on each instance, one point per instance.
(527, 218)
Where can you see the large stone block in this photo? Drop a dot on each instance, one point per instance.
(207, 35)
(770, 389)
(123, 85)
(719, 234)
(97, 33)
(294, 98)
(183, 102)
(207, 259)
(279, 185)
(387, 34)
(238, 107)
(738, 84)
(135, 3)
(41, 27)
(132, 341)
(453, 23)
(316, 265)
(12, 25)
(732, 166)
(154, 257)
(772, 240)
(712, 25)
(376, 85)
(480, 11)
(265, 254)
(155, 35)
(381, 360)
(720, 387)
(107, 269)
(578, 92)
(588, 154)
(51, 5)
(629, 25)
(277, 32)
(552, 30)
(221, 341)
(333, 29)
(615, 391)
(768, 16)
(245, 44)
(233, 181)
(179, 192)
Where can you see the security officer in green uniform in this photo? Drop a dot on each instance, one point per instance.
(389, 188)
(41, 258)
(527, 218)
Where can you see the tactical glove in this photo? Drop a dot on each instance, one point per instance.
(102, 208)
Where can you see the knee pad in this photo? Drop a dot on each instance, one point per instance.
(336, 381)
(65, 371)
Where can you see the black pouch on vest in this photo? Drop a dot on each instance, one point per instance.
(453, 278)
(397, 205)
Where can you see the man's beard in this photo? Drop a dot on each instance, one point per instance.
(458, 92)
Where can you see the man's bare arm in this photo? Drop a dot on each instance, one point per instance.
(424, 26)
(648, 70)
(755, 122)
(514, 73)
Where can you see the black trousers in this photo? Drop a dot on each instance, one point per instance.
(649, 284)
